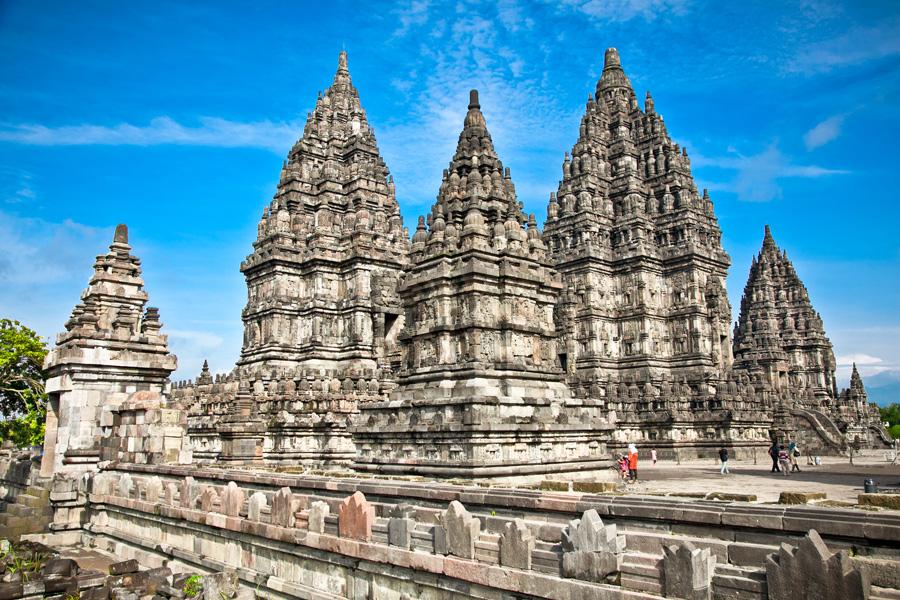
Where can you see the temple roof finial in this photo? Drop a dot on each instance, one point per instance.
(768, 240)
(473, 99)
(121, 236)
(342, 61)
(611, 59)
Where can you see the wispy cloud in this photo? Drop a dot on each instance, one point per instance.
(212, 131)
(857, 46)
(481, 47)
(38, 252)
(824, 132)
(757, 175)
(625, 10)
(866, 364)
(16, 186)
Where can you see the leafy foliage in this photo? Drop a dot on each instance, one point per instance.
(193, 586)
(23, 403)
(895, 431)
(891, 414)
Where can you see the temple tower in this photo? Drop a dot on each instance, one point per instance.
(480, 390)
(330, 248)
(322, 315)
(639, 250)
(779, 337)
(112, 349)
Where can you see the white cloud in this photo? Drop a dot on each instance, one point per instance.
(826, 131)
(625, 10)
(414, 14)
(857, 46)
(212, 131)
(859, 359)
(757, 175)
(34, 251)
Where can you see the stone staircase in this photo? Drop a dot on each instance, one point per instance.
(30, 512)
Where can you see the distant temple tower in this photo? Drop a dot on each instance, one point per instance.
(111, 349)
(480, 390)
(779, 336)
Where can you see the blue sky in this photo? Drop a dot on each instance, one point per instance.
(174, 118)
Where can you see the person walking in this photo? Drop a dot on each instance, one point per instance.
(793, 455)
(632, 462)
(784, 461)
(773, 453)
(653, 455)
(723, 456)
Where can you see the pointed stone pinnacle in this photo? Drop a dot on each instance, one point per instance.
(611, 59)
(121, 236)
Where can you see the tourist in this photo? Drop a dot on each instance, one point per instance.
(793, 454)
(773, 452)
(632, 462)
(723, 456)
(623, 467)
(784, 461)
(653, 455)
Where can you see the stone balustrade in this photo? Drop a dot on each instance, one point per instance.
(399, 531)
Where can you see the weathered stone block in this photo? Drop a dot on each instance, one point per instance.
(882, 500)
(356, 517)
(256, 505)
(462, 530)
(317, 513)
(400, 531)
(516, 545)
(813, 572)
(688, 572)
(799, 497)
(232, 499)
(283, 508)
(591, 550)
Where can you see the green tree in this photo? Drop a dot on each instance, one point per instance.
(23, 403)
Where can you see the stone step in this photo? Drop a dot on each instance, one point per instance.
(27, 499)
(880, 593)
(19, 510)
(640, 584)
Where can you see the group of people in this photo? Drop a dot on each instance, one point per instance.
(784, 459)
(628, 463)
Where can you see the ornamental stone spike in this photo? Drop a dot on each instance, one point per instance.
(812, 572)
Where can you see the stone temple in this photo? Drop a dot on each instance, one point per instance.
(391, 388)
(480, 346)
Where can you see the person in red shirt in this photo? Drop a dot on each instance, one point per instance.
(632, 462)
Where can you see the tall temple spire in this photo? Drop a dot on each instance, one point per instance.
(778, 332)
(475, 182)
(627, 203)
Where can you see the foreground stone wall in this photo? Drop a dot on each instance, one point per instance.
(321, 537)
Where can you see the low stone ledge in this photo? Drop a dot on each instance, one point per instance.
(552, 506)
(800, 497)
(891, 501)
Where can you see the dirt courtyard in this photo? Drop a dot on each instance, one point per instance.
(836, 477)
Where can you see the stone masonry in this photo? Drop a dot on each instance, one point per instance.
(483, 346)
